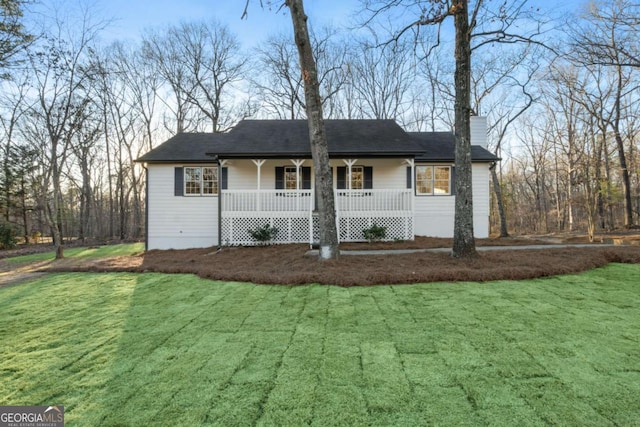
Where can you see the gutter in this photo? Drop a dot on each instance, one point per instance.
(146, 207)
(217, 160)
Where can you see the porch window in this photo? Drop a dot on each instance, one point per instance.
(357, 177)
(287, 178)
(200, 181)
(290, 178)
(433, 180)
(361, 177)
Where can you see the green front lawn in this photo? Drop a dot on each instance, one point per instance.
(154, 349)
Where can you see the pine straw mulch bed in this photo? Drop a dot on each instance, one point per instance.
(288, 265)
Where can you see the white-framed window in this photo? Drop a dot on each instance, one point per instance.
(200, 180)
(357, 177)
(290, 178)
(433, 180)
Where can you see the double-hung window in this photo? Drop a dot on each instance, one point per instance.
(292, 178)
(433, 180)
(200, 181)
(357, 177)
(361, 178)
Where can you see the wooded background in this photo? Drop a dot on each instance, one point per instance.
(560, 93)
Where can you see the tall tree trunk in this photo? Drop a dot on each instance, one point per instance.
(622, 159)
(23, 208)
(498, 192)
(317, 135)
(464, 244)
(109, 177)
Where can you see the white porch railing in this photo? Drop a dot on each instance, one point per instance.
(292, 212)
(267, 201)
(373, 201)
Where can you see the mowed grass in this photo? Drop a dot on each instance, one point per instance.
(154, 349)
(82, 252)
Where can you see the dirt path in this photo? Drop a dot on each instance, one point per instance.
(8, 279)
(15, 274)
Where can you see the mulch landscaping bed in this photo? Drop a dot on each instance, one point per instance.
(288, 265)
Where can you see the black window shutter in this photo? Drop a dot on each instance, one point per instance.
(178, 182)
(225, 179)
(453, 180)
(342, 177)
(306, 177)
(368, 177)
(409, 177)
(279, 177)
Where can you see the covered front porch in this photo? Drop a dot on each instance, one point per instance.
(292, 213)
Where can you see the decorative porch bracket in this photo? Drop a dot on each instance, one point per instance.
(350, 163)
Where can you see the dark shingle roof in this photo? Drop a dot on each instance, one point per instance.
(275, 138)
(184, 148)
(440, 147)
(290, 138)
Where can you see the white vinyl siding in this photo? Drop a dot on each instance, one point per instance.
(434, 216)
(176, 222)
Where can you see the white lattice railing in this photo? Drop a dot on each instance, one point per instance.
(263, 201)
(291, 211)
(374, 201)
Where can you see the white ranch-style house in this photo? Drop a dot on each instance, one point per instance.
(206, 189)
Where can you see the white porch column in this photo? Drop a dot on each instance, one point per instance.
(298, 164)
(409, 230)
(349, 163)
(258, 163)
(221, 164)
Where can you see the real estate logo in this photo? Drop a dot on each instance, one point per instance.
(32, 416)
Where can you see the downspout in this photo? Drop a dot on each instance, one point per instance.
(146, 207)
(219, 203)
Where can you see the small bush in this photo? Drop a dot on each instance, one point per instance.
(375, 233)
(264, 234)
(8, 236)
(35, 236)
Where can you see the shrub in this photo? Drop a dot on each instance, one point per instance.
(375, 233)
(8, 236)
(35, 236)
(264, 234)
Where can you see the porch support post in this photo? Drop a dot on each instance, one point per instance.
(298, 164)
(349, 163)
(221, 163)
(258, 163)
(409, 230)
